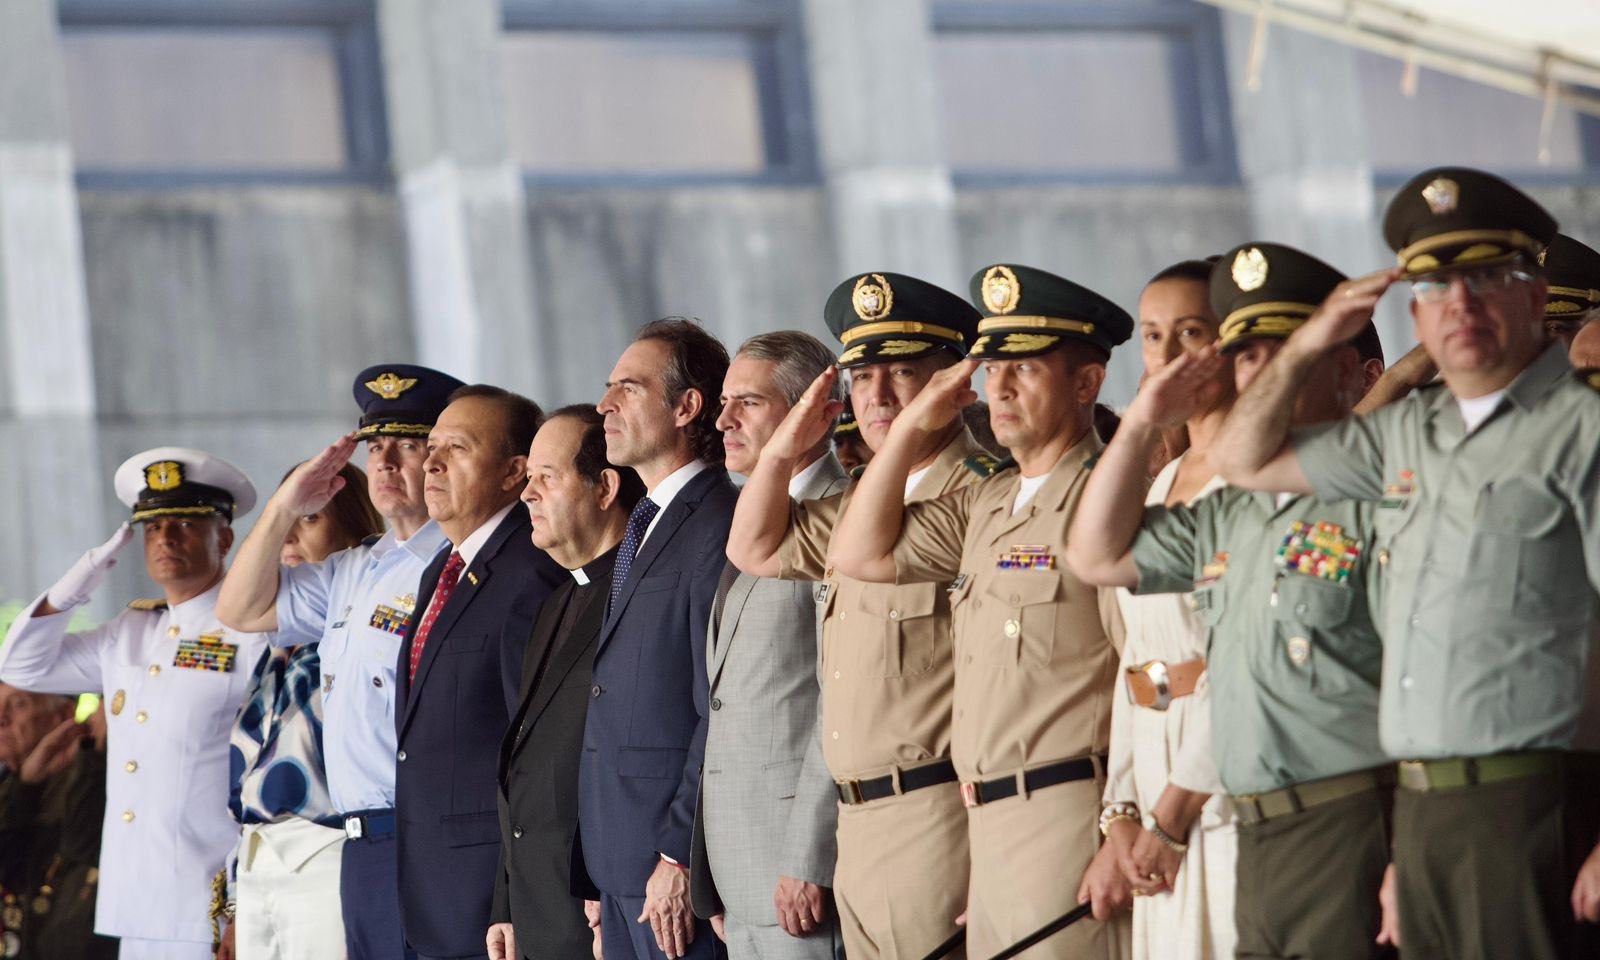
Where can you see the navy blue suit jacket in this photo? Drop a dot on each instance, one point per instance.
(450, 721)
(645, 736)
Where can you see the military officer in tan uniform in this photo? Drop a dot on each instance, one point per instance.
(1572, 269)
(887, 666)
(1036, 649)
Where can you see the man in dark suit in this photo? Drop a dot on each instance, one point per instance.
(579, 505)
(645, 735)
(458, 678)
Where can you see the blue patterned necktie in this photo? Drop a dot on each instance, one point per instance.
(638, 522)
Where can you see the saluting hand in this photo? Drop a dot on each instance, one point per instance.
(808, 421)
(948, 393)
(1346, 310)
(76, 585)
(310, 486)
(1177, 392)
(53, 753)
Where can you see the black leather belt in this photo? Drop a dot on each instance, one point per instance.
(979, 792)
(852, 792)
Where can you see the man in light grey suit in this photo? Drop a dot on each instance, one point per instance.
(764, 829)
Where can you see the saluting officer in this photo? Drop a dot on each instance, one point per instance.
(1487, 490)
(1572, 270)
(356, 605)
(887, 669)
(1293, 657)
(1036, 648)
(173, 677)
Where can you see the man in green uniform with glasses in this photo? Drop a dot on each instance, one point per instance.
(1488, 525)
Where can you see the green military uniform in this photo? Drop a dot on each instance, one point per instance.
(1293, 656)
(1489, 537)
(1036, 648)
(1572, 270)
(49, 864)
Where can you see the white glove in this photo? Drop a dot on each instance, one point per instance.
(80, 581)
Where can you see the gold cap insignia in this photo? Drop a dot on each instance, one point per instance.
(872, 297)
(900, 348)
(1001, 291)
(1442, 195)
(1020, 342)
(163, 475)
(389, 387)
(1542, 254)
(1250, 269)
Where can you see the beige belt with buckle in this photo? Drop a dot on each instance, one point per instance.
(1156, 683)
(1258, 807)
(1421, 776)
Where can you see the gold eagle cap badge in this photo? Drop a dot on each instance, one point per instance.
(163, 475)
(1249, 269)
(1001, 291)
(1442, 195)
(389, 386)
(872, 297)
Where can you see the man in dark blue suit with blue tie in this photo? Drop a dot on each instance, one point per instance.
(644, 741)
(458, 676)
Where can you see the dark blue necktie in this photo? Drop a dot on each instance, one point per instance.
(638, 522)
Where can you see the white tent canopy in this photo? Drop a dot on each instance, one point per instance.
(1548, 49)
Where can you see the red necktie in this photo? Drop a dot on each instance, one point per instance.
(448, 578)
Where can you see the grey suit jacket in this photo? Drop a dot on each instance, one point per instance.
(768, 807)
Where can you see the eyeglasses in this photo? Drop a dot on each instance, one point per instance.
(1479, 283)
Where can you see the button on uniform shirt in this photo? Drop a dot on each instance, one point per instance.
(1293, 657)
(355, 605)
(172, 681)
(1036, 649)
(276, 761)
(1492, 551)
(887, 667)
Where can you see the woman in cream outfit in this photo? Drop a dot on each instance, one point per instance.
(1161, 760)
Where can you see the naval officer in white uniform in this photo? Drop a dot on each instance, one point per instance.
(172, 676)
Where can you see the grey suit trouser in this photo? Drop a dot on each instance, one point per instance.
(769, 942)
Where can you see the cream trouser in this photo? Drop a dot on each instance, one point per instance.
(288, 892)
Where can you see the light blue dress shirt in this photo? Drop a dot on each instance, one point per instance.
(356, 604)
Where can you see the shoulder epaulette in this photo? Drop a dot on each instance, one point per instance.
(369, 541)
(153, 604)
(857, 472)
(1089, 463)
(1589, 376)
(984, 465)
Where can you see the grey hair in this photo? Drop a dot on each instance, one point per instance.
(800, 359)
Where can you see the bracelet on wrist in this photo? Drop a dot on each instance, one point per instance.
(1117, 811)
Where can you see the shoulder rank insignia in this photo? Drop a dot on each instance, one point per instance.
(982, 464)
(1089, 463)
(152, 604)
(1591, 377)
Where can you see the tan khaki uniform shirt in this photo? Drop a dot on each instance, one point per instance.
(887, 665)
(1036, 649)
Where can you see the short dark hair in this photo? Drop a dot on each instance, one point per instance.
(1368, 344)
(1196, 270)
(696, 361)
(522, 417)
(591, 459)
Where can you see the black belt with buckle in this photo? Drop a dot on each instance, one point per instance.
(852, 792)
(976, 793)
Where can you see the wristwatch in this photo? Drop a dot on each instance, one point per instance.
(1150, 824)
